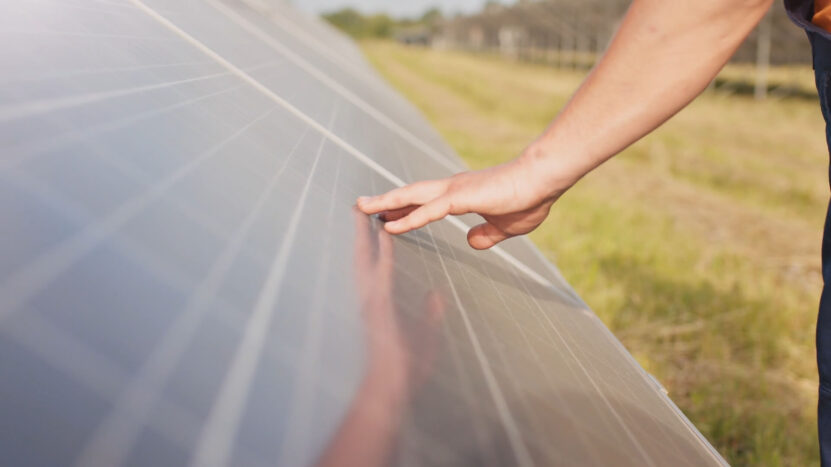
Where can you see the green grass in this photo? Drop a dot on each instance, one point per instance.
(698, 246)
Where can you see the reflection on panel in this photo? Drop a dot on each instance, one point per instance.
(184, 279)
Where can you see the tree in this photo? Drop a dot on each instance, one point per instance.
(357, 25)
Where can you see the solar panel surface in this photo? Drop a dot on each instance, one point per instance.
(184, 280)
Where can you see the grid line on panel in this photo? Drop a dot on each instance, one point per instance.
(548, 326)
(536, 358)
(362, 74)
(518, 447)
(216, 441)
(99, 71)
(297, 440)
(92, 370)
(32, 108)
(134, 252)
(79, 7)
(357, 72)
(354, 99)
(623, 386)
(679, 415)
(122, 4)
(303, 36)
(594, 384)
(272, 95)
(360, 156)
(118, 432)
(22, 153)
(511, 379)
(181, 431)
(24, 32)
(127, 7)
(558, 275)
(480, 436)
(535, 354)
(65, 352)
(30, 279)
(465, 388)
(350, 96)
(507, 368)
(37, 107)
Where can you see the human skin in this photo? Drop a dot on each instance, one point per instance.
(663, 56)
(398, 359)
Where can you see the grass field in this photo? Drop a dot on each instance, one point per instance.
(698, 246)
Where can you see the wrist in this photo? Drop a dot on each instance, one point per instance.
(553, 170)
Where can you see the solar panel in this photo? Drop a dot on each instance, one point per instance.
(184, 280)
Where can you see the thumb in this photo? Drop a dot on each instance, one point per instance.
(486, 235)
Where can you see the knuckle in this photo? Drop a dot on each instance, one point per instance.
(449, 205)
(394, 197)
(441, 207)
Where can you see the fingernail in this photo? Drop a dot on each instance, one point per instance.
(363, 199)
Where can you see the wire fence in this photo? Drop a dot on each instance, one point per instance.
(573, 34)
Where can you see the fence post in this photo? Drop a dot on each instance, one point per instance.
(763, 41)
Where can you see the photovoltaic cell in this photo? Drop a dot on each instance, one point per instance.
(184, 280)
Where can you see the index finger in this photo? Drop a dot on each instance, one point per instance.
(414, 194)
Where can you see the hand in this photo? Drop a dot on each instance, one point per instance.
(512, 198)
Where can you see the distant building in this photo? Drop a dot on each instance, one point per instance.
(574, 31)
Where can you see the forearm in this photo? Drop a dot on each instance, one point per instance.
(664, 55)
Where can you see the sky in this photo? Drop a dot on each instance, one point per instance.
(399, 8)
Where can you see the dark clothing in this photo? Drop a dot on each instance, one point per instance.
(801, 12)
(824, 320)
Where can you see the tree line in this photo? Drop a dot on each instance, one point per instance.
(380, 25)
